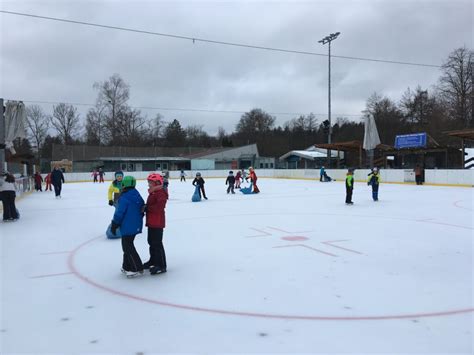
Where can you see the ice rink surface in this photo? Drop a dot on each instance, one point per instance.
(290, 270)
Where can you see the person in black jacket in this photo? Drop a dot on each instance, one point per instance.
(231, 181)
(57, 179)
(198, 180)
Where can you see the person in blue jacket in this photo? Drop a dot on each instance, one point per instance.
(129, 217)
(321, 174)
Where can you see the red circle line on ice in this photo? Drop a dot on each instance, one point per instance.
(77, 273)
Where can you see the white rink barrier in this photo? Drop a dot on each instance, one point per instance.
(455, 177)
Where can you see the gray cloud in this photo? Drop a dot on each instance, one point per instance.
(51, 61)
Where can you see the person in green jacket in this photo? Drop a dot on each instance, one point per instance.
(115, 188)
(374, 180)
(349, 186)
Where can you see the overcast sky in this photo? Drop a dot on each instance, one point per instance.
(51, 61)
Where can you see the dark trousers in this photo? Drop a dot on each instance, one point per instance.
(349, 194)
(157, 251)
(231, 188)
(418, 179)
(131, 259)
(9, 208)
(38, 187)
(375, 192)
(183, 179)
(57, 189)
(255, 188)
(202, 192)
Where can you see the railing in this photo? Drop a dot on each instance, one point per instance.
(23, 185)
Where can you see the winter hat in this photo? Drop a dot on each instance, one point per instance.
(119, 172)
(129, 181)
(198, 174)
(231, 172)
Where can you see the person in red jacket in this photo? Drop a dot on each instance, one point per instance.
(155, 221)
(47, 180)
(253, 179)
(38, 181)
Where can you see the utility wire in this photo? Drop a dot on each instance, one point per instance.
(179, 108)
(195, 39)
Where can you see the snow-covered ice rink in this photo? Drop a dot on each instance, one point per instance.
(291, 270)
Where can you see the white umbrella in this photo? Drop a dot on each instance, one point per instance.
(371, 137)
(15, 117)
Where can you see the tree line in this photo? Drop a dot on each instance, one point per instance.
(448, 105)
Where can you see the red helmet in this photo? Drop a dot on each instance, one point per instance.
(155, 177)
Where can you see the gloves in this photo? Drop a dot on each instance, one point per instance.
(113, 227)
(111, 203)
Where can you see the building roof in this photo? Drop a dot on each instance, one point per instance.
(306, 154)
(349, 146)
(143, 159)
(463, 133)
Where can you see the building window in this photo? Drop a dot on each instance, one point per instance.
(157, 166)
(131, 167)
(261, 165)
(123, 166)
(266, 165)
(271, 165)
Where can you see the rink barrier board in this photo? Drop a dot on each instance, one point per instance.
(457, 178)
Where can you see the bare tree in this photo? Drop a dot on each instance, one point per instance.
(65, 120)
(38, 125)
(112, 98)
(456, 84)
(95, 126)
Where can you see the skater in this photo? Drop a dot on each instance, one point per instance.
(129, 217)
(322, 171)
(183, 175)
(327, 178)
(38, 182)
(253, 180)
(57, 179)
(243, 173)
(349, 186)
(166, 176)
(47, 181)
(418, 174)
(238, 178)
(230, 181)
(101, 175)
(199, 181)
(114, 189)
(155, 221)
(374, 180)
(8, 195)
(94, 175)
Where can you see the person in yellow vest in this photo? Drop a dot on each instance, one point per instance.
(374, 180)
(114, 189)
(349, 186)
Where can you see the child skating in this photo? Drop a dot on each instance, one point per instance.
(114, 189)
(155, 221)
(230, 181)
(253, 180)
(349, 186)
(128, 217)
(199, 181)
(374, 181)
(238, 179)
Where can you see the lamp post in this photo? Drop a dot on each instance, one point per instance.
(328, 39)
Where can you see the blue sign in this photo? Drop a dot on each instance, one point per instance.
(417, 140)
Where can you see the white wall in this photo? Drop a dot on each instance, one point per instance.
(436, 176)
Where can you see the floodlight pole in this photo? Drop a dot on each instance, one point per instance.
(328, 39)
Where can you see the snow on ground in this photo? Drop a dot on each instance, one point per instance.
(291, 270)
